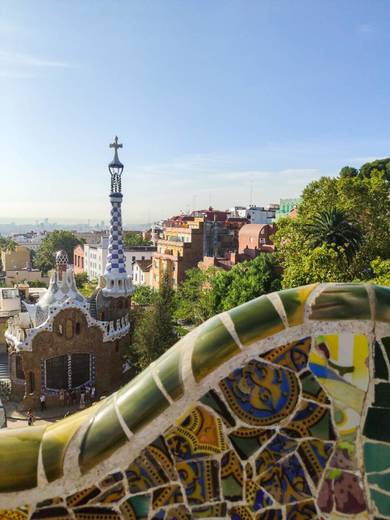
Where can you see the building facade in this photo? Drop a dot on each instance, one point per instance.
(78, 259)
(17, 259)
(64, 341)
(255, 239)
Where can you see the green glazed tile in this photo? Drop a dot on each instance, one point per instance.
(213, 400)
(168, 369)
(213, 346)
(141, 401)
(382, 502)
(376, 456)
(256, 320)
(382, 395)
(377, 425)
(103, 437)
(382, 480)
(294, 303)
(341, 302)
(19, 451)
(380, 371)
(382, 301)
(386, 344)
(56, 439)
(139, 507)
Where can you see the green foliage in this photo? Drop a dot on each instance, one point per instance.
(89, 288)
(144, 295)
(245, 281)
(134, 238)
(53, 242)
(381, 270)
(6, 244)
(36, 283)
(332, 227)
(194, 299)
(155, 331)
(206, 293)
(361, 201)
(81, 279)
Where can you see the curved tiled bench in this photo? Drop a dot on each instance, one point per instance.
(277, 409)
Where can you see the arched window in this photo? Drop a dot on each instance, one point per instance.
(78, 328)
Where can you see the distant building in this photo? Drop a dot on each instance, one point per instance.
(91, 237)
(95, 257)
(254, 214)
(180, 249)
(19, 258)
(141, 272)
(255, 239)
(78, 259)
(25, 275)
(9, 302)
(285, 207)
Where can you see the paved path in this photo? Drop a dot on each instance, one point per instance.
(16, 418)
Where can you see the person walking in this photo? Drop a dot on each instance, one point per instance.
(82, 399)
(42, 401)
(30, 417)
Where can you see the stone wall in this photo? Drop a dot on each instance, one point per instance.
(275, 410)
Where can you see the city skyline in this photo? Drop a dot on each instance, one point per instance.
(213, 102)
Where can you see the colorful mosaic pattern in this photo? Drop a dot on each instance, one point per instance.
(276, 410)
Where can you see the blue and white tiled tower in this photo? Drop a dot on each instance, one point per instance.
(116, 280)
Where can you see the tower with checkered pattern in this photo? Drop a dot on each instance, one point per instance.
(116, 280)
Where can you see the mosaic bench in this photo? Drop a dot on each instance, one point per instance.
(278, 409)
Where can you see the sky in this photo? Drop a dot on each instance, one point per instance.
(216, 102)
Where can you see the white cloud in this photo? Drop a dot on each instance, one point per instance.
(12, 63)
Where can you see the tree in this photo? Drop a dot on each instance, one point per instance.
(381, 271)
(134, 238)
(333, 228)
(245, 282)
(206, 293)
(143, 295)
(155, 331)
(364, 199)
(53, 242)
(81, 279)
(194, 300)
(6, 244)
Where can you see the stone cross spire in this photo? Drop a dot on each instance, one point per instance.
(116, 281)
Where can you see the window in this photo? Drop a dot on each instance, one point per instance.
(78, 327)
(80, 369)
(19, 367)
(68, 371)
(57, 372)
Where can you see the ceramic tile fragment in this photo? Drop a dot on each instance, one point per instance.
(294, 303)
(198, 435)
(261, 394)
(256, 320)
(19, 451)
(341, 302)
(292, 355)
(212, 347)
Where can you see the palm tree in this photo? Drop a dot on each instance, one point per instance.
(332, 227)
